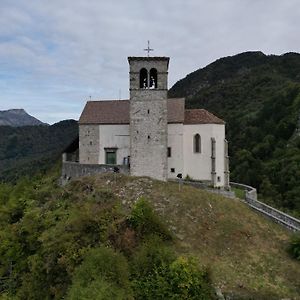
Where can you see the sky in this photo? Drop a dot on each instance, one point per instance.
(55, 55)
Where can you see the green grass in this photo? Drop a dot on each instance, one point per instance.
(239, 193)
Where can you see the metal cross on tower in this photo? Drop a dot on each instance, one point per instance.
(148, 49)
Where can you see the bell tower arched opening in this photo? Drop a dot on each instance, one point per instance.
(153, 79)
(143, 78)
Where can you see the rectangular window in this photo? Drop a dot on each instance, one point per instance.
(169, 152)
(197, 143)
(213, 147)
(172, 170)
(110, 156)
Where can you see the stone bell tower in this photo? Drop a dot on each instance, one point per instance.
(148, 116)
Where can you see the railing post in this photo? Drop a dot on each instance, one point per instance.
(64, 157)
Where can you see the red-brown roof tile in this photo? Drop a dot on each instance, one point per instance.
(105, 112)
(200, 116)
(117, 112)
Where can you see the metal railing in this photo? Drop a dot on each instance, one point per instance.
(278, 216)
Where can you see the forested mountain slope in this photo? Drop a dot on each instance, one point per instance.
(259, 98)
(31, 149)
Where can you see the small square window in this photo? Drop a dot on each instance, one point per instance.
(110, 156)
(169, 152)
(172, 170)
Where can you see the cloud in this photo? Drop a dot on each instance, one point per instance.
(55, 54)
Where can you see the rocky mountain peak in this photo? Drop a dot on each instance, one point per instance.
(18, 117)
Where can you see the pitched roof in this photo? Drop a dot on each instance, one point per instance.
(200, 116)
(105, 112)
(117, 112)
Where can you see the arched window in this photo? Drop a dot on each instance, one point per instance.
(143, 78)
(197, 143)
(153, 79)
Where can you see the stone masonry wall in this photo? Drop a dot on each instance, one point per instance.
(71, 170)
(149, 140)
(148, 121)
(89, 144)
(148, 63)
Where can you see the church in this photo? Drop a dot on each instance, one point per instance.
(151, 134)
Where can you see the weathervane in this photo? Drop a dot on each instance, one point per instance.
(148, 49)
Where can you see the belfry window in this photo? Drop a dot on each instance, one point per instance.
(197, 143)
(153, 79)
(143, 79)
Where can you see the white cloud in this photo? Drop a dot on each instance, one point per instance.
(61, 51)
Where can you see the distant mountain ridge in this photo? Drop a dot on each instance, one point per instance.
(27, 150)
(18, 118)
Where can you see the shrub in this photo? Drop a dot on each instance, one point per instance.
(101, 269)
(98, 289)
(152, 254)
(182, 279)
(188, 281)
(294, 247)
(188, 178)
(146, 222)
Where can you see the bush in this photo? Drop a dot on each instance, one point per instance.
(294, 247)
(182, 279)
(146, 222)
(188, 178)
(98, 289)
(152, 254)
(188, 281)
(104, 273)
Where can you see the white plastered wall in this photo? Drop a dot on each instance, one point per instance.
(114, 136)
(175, 141)
(199, 165)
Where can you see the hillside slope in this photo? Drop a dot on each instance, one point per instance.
(55, 227)
(245, 252)
(18, 117)
(31, 149)
(259, 98)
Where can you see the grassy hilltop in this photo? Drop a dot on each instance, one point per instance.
(52, 241)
